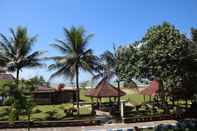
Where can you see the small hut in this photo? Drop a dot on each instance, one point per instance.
(45, 95)
(151, 90)
(104, 90)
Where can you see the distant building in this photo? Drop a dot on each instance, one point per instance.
(45, 95)
(5, 76)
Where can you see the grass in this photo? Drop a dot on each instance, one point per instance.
(131, 95)
(41, 112)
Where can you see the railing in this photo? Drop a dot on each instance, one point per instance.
(42, 124)
(153, 118)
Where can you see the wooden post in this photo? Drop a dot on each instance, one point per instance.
(149, 98)
(118, 94)
(100, 99)
(173, 103)
(97, 103)
(186, 103)
(110, 100)
(92, 105)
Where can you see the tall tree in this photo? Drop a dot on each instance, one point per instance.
(16, 51)
(76, 56)
(18, 100)
(194, 35)
(108, 67)
(166, 54)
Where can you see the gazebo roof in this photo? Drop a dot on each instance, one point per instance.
(104, 89)
(5, 76)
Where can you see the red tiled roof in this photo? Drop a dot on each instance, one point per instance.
(46, 89)
(104, 89)
(5, 76)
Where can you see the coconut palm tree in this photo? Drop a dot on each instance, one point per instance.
(75, 56)
(107, 68)
(16, 51)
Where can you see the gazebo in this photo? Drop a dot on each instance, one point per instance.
(104, 90)
(150, 90)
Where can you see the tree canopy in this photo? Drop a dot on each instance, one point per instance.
(165, 54)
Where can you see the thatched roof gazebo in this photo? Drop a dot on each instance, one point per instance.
(104, 90)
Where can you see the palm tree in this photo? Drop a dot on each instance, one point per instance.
(75, 56)
(107, 66)
(16, 51)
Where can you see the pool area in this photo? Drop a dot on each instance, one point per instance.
(171, 125)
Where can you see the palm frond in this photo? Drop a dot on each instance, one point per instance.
(16, 50)
(76, 55)
(60, 47)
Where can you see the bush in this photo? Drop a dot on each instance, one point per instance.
(37, 111)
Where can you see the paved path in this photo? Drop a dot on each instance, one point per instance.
(102, 128)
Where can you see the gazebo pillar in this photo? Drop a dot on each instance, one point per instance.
(114, 99)
(150, 97)
(100, 99)
(144, 98)
(92, 105)
(97, 102)
(110, 99)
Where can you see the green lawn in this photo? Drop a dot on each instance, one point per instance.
(41, 112)
(131, 95)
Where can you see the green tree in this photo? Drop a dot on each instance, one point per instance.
(19, 102)
(107, 66)
(38, 80)
(128, 63)
(16, 51)
(194, 35)
(85, 84)
(76, 56)
(29, 105)
(166, 54)
(33, 83)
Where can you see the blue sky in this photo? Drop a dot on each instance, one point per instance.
(112, 21)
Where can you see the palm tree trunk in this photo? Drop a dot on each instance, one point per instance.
(17, 77)
(118, 94)
(29, 120)
(17, 84)
(77, 85)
